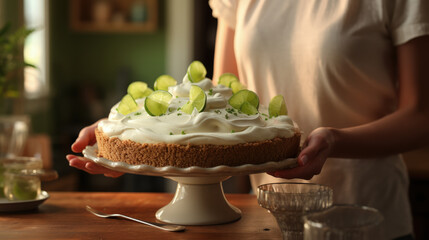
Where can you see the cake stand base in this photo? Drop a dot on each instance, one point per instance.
(199, 201)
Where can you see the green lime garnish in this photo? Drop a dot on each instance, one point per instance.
(244, 96)
(24, 190)
(237, 86)
(163, 82)
(127, 105)
(196, 71)
(197, 99)
(139, 90)
(277, 106)
(227, 78)
(156, 104)
(248, 108)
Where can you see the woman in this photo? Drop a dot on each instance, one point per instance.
(353, 77)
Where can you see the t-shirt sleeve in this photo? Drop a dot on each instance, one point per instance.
(409, 19)
(225, 10)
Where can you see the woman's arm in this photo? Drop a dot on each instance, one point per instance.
(224, 57)
(405, 129)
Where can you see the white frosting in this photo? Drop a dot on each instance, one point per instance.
(218, 124)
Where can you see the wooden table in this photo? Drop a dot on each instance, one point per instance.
(63, 216)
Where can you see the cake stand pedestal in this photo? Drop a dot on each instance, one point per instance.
(199, 198)
(199, 201)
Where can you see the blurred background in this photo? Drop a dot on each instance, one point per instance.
(86, 52)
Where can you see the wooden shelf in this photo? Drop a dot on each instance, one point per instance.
(114, 16)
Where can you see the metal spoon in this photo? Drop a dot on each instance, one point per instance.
(166, 227)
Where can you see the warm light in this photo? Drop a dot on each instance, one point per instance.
(35, 50)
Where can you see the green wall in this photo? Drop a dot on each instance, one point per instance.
(98, 58)
(90, 71)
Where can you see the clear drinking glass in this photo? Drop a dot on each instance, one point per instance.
(14, 165)
(13, 134)
(289, 202)
(22, 185)
(344, 222)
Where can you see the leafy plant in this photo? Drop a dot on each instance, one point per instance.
(11, 60)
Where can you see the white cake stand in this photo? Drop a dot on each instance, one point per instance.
(199, 197)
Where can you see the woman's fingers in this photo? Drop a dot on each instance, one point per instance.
(302, 172)
(86, 138)
(91, 167)
(316, 150)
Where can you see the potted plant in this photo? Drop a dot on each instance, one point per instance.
(11, 66)
(13, 124)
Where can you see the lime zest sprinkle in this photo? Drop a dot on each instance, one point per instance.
(232, 131)
(179, 114)
(211, 91)
(183, 132)
(137, 113)
(171, 133)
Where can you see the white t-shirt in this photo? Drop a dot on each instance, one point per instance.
(334, 62)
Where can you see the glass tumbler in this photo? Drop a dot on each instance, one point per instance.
(13, 165)
(289, 202)
(13, 135)
(22, 185)
(344, 222)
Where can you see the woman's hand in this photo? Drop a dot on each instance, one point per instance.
(315, 151)
(87, 137)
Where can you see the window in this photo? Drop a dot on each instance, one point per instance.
(36, 80)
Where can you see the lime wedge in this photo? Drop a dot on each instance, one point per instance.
(227, 78)
(147, 92)
(127, 105)
(138, 90)
(237, 86)
(197, 99)
(196, 71)
(156, 104)
(163, 82)
(24, 190)
(248, 108)
(277, 106)
(242, 96)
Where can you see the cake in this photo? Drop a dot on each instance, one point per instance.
(217, 134)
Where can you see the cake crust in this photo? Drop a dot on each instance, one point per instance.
(205, 155)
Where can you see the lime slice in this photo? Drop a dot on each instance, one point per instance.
(147, 92)
(127, 105)
(277, 106)
(138, 90)
(237, 86)
(156, 104)
(163, 82)
(242, 96)
(196, 71)
(197, 99)
(227, 78)
(24, 190)
(248, 108)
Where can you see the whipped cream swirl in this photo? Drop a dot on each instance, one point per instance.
(218, 124)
